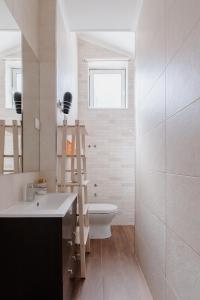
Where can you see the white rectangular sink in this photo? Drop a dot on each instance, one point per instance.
(51, 205)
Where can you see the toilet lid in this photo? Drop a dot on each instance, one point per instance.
(101, 208)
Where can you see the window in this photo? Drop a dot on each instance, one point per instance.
(108, 86)
(13, 81)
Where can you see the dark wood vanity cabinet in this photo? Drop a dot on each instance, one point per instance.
(37, 258)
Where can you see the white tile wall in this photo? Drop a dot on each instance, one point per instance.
(182, 268)
(13, 188)
(111, 165)
(183, 146)
(168, 169)
(183, 204)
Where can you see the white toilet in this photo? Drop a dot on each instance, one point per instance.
(101, 216)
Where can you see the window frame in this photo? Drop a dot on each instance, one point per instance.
(108, 70)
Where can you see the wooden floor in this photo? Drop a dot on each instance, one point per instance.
(112, 271)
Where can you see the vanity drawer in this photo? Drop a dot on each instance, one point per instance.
(68, 250)
(69, 223)
(69, 273)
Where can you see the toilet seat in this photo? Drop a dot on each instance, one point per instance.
(102, 208)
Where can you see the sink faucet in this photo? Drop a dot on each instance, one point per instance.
(32, 190)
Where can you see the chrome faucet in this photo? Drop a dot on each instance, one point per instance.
(31, 191)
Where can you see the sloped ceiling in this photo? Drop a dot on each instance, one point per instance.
(11, 42)
(7, 21)
(121, 42)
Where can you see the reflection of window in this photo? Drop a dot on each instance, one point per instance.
(13, 81)
(108, 87)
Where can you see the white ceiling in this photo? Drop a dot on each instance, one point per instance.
(7, 22)
(102, 15)
(121, 42)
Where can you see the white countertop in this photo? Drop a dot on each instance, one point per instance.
(51, 205)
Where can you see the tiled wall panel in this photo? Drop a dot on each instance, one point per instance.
(167, 159)
(111, 164)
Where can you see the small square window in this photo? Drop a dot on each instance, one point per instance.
(107, 88)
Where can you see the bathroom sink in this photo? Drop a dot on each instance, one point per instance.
(48, 202)
(49, 205)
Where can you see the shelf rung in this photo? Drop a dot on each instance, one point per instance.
(68, 184)
(71, 130)
(71, 156)
(86, 234)
(11, 155)
(75, 172)
(85, 209)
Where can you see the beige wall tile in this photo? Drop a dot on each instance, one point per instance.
(155, 279)
(183, 145)
(170, 294)
(168, 142)
(151, 109)
(152, 149)
(182, 268)
(181, 18)
(152, 231)
(182, 75)
(151, 191)
(183, 206)
(13, 188)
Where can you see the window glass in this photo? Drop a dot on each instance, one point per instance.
(107, 88)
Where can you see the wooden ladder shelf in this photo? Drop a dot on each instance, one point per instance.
(72, 176)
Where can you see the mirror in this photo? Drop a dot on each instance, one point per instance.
(19, 99)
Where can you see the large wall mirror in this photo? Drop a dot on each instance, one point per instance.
(19, 99)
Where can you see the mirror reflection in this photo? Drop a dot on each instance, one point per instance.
(11, 82)
(19, 99)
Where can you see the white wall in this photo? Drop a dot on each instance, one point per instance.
(67, 66)
(111, 165)
(168, 147)
(47, 54)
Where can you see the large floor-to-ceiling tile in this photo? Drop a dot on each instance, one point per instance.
(182, 268)
(181, 18)
(183, 206)
(182, 75)
(183, 144)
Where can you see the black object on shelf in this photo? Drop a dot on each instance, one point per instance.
(18, 102)
(67, 102)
